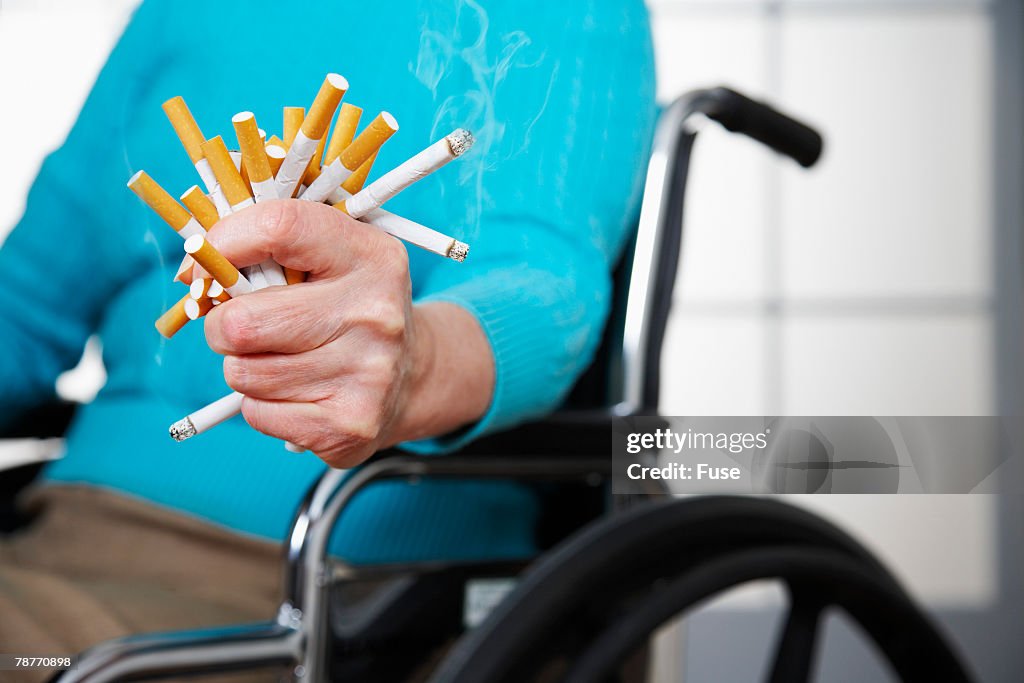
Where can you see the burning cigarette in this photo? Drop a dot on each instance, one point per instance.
(200, 206)
(164, 205)
(275, 156)
(364, 145)
(227, 174)
(196, 309)
(410, 231)
(233, 282)
(173, 319)
(301, 149)
(455, 144)
(192, 140)
(344, 132)
(208, 417)
(254, 156)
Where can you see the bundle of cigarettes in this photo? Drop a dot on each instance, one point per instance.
(309, 162)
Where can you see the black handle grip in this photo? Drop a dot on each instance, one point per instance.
(757, 120)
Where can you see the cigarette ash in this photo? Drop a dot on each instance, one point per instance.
(458, 54)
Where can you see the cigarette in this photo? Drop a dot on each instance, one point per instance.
(207, 287)
(196, 309)
(164, 205)
(254, 156)
(207, 417)
(192, 140)
(294, 277)
(410, 231)
(275, 156)
(313, 169)
(173, 319)
(453, 145)
(354, 183)
(227, 174)
(201, 207)
(274, 140)
(184, 273)
(366, 143)
(344, 132)
(293, 117)
(313, 127)
(233, 282)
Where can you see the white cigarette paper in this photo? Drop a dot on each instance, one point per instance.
(213, 187)
(207, 417)
(373, 196)
(410, 231)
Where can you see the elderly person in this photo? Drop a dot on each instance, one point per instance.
(381, 347)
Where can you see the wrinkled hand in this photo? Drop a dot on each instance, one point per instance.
(334, 364)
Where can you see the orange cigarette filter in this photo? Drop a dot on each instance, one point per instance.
(274, 140)
(355, 182)
(293, 118)
(196, 201)
(173, 319)
(245, 178)
(185, 126)
(215, 264)
(313, 170)
(197, 308)
(159, 200)
(254, 153)
(315, 125)
(275, 157)
(204, 288)
(216, 152)
(293, 277)
(344, 132)
(368, 141)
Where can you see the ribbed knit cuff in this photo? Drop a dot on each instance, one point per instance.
(521, 355)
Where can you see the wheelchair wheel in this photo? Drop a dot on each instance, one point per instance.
(601, 594)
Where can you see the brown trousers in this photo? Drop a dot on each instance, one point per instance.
(95, 565)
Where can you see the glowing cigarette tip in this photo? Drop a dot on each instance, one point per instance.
(460, 140)
(458, 251)
(182, 429)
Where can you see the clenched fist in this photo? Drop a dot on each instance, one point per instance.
(343, 364)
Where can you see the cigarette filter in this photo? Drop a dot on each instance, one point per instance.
(274, 140)
(196, 309)
(293, 277)
(207, 417)
(184, 272)
(192, 140)
(307, 139)
(233, 282)
(344, 132)
(227, 174)
(435, 156)
(207, 287)
(354, 183)
(275, 156)
(293, 117)
(173, 319)
(254, 156)
(366, 143)
(200, 206)
(164, 205)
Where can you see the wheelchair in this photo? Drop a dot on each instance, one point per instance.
(610, 570)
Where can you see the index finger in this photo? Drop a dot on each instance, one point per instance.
(305, 236)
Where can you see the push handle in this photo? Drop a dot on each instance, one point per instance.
(740, 114)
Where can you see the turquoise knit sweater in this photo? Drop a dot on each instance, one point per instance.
(561, 99)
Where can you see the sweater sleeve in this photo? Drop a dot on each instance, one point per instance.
(58, 272)
(551, 193)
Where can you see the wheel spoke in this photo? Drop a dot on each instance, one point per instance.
(794, 655)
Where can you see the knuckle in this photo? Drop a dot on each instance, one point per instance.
(236, 373)
(238, 326)
(280, 222)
